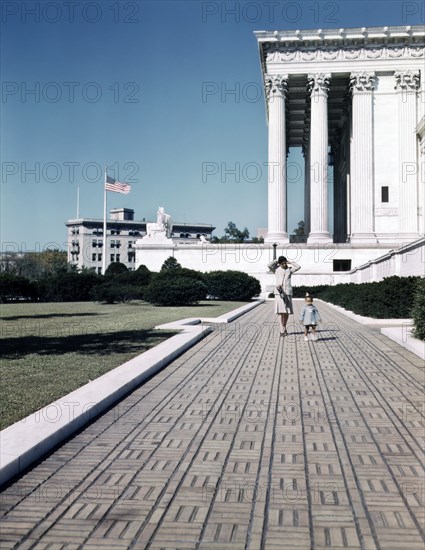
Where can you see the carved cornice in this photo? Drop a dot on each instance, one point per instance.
(407, 81)
(362, 82)
(275, 84)
(319, 82)
(294, 55)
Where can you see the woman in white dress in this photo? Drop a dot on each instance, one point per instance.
(283, 292)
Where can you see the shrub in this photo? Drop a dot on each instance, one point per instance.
(177, 291)
(170, 263)
(112, 292)
(232, 285)
(170, 274)
(14, 287)
(115, 268)
(141, 277)
(68, 287)
(418, 311)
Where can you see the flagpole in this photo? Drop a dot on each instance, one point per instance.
(78, 202)
(104, 227)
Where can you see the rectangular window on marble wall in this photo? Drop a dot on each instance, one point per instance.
(385, 195)
(342, 265)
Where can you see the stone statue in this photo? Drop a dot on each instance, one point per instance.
(163, 227)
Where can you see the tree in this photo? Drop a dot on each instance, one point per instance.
(300, 229)
(37, 265)
(170, 263)
(232, 233)
(115, 268)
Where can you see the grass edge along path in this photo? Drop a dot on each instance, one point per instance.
(50, 349)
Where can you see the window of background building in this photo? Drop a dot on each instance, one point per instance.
(99, 257)
(93, 257)
(385, 195)
(112, 257)
(342, 265)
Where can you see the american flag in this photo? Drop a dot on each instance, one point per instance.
(116, 186)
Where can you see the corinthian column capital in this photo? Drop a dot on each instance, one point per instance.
(362, 82)
(276, 84)
(407, 81)
(319, 83)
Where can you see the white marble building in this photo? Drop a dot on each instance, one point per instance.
(353, 99)
(356, 96)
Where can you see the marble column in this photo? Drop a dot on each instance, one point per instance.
(407, 85)
(276, 91)
(306, 154)
(361, 159)
(318, 85)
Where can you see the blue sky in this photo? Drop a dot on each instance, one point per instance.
(168, 94)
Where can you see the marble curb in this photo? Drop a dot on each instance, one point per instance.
(27, 440)
(402, 335)
(398, 330)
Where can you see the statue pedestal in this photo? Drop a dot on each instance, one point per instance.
(156, 239)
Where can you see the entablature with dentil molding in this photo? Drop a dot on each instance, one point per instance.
(338, 50)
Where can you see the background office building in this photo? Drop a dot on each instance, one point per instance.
(86, 242)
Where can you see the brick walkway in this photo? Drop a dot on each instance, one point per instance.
(248, 440)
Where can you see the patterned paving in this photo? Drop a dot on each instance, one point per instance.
(247, 441)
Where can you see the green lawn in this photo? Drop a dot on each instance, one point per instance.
(49, 350)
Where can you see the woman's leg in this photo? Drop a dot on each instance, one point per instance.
(283, 318)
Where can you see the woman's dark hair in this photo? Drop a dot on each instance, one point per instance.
(281, 260)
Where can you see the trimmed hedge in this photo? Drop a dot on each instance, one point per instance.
(418, 311)
(175, 291)
(232, 286)
(391, 298)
